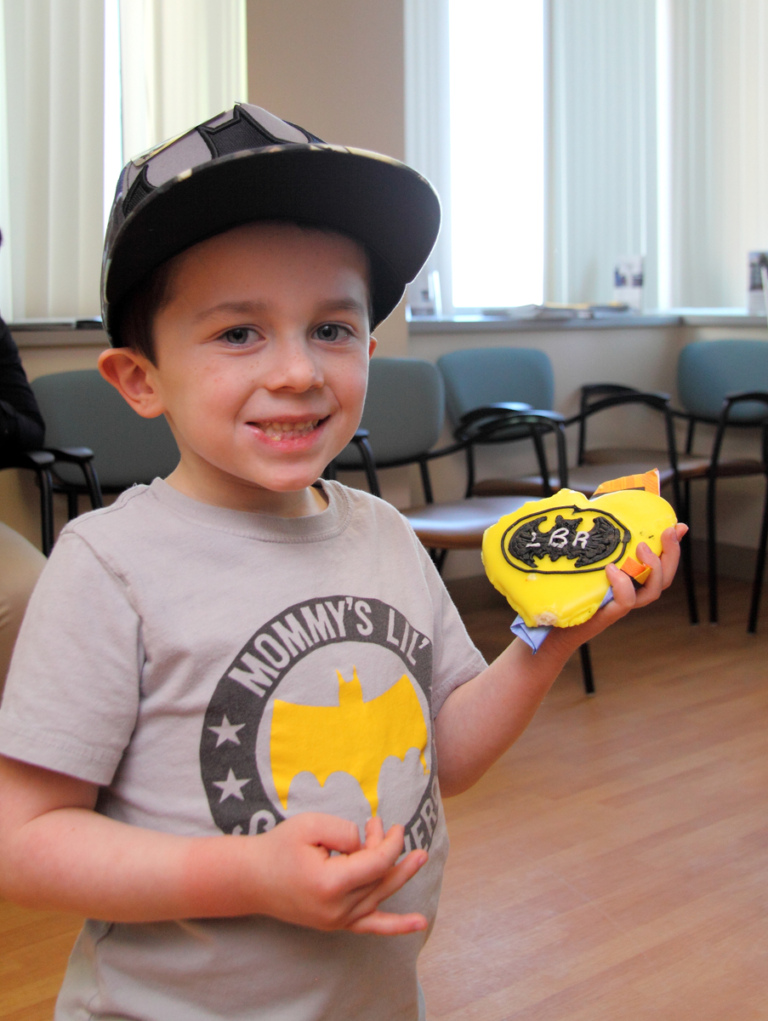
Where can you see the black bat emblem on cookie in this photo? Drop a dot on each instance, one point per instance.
(528, 544)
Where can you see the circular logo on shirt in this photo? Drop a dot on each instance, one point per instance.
(326, 709)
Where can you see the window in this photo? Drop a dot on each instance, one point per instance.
(651, 127)
(497, 152)
(82, 78)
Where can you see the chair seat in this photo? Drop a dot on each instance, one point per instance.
(459, 525)
(583, 479)
(688, 465)
(740, 466)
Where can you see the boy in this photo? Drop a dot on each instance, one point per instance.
(227, 676)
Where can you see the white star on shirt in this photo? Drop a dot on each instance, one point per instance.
(231, 787)
(227, 731)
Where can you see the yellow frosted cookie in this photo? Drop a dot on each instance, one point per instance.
(549, 557)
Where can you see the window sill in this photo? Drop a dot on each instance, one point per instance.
(58, 333)
(719, 317)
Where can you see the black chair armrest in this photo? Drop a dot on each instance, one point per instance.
(741, 397)
(34, 459)
(589, 390)
(83, 458)
(502, 409)
(653, 398)
(614, 394)
(732, 399)
(73, 455)
(488, 423)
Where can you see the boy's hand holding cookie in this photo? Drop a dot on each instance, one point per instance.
(627, 595)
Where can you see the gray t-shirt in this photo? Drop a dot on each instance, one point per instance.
(217, 671)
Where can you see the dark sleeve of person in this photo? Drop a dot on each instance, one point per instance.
(21, 424)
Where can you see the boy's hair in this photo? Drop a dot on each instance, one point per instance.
(133, 321)
(247, 165)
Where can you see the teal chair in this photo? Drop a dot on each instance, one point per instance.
(724, 384)
(402, 424)
(99, 443)
(484, 390)
(479, 380)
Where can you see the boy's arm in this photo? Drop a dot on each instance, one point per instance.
(482, 718)
(58, 853)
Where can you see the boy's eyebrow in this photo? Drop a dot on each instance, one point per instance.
(343, 305)
(259, 307)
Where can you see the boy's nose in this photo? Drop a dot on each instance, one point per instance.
(295, 367)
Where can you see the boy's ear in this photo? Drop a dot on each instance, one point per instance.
(372, 345)
(130, 373)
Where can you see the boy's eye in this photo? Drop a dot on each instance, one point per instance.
(332, 331)
(238, 335)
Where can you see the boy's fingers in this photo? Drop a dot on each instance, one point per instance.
(663, 569)
(394, 880)
(374, 832)
(386, 923)
(664, 566)
(373, 874)
(399, 874)
(370, 919)
(330, 832)
(624, 592)
(671, 553)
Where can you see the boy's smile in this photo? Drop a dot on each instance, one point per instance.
(261, 367)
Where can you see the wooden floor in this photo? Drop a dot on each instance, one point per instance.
(613, 866)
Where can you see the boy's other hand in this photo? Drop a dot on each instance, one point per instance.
(626, 595)
(629, 596)
(304, 882)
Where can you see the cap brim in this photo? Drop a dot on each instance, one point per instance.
(386, 206)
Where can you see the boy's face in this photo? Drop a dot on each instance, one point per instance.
(261, 364)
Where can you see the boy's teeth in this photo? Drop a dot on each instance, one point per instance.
(280, 429)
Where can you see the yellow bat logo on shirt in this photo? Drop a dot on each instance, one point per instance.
(353, 737)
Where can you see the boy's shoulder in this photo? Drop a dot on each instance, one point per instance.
(131, 503)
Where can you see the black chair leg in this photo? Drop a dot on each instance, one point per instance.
(45, 482)
(586, 669)
(690, 588)
(438, 558)
(93, 486)
(757, 584)
(72, 504)
(711, 551)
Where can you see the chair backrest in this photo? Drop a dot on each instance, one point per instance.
(708, 370)
(82, 410)
(404, 410)
(489, 375)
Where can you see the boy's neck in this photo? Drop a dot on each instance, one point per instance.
(302, 503)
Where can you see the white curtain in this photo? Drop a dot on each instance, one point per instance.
(181, 61)
(656, 142)
(602, 192)
(427, 114)
(718, 147)
(54, 70)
